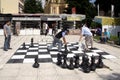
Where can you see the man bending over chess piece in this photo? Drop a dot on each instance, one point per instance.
(57, 39)
(85, 31)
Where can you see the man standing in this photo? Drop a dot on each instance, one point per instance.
(85, 31)
(57, 38)
(7, 34)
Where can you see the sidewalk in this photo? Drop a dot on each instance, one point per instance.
(50, 71)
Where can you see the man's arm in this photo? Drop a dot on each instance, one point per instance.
(5, 33)
(80, 37)
(64, 40)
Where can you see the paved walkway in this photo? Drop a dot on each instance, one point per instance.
(50, 71)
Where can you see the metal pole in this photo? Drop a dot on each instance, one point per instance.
(0, 6)
(98, 9)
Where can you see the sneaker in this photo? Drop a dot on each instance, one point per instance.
(9, 48)
(5, 50)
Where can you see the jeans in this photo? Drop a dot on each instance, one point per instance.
(56, 41)
(7, 42)
(104, 39)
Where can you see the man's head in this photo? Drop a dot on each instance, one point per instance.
(66, 32)
(105, 29)
(8, 22)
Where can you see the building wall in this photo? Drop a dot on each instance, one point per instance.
(54, 6)
(11, 6)
(112, 24)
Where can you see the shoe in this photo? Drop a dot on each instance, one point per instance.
(92, 48)
(9, 48)
(5, 50)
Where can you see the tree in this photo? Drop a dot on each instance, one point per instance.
(104, 5)
(32, 6)
(39, 7)
(82, 7)
(116, 9)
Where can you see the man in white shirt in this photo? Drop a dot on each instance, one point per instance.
(85, 31)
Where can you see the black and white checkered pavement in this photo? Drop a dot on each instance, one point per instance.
(44, 55)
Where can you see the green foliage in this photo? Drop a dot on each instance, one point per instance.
(96, 37)
(82, 7)
(114, 38)
(32, 6)
(95, 25)
(39, 7)
(105, 5)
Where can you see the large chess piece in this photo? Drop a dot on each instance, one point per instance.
(59, 59)
(100, 62)
(66, 50)
(24, 47)
(32, 42)
(36, 64)
(64, 54)
(86, 66)
(83, 61)
(92, 65)
(64, 64)
(76, 61)
(71, 65)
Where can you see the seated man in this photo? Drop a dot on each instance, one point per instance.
(105, 36)
(57, 38)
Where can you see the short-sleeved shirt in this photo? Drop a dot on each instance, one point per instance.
(86, 31)
(8, 30)
(60, 34)
(107, 34)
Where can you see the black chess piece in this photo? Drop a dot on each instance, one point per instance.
(83, 60)
(64, 64)
(24, 47)
(36, 64)
(100, 62)
(76, 61)
(71, 65)
(32, 42)
(59, 59)
(86, 66)
(92, 65)
(66, 51)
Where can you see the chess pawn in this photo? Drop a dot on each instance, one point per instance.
(31, 42)
(83, 60)
(24, 47)
(59, 59)
(86, 66)
(36, 64)
(66, 50)
(100, 62)
(76, 61)
(93, 65)
(71, 66)
(64, 64)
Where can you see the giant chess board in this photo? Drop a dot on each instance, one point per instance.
(44, 55)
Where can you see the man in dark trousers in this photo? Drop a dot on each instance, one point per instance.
(7, 34)
(57, 40)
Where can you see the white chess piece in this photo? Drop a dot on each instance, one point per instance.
(80, 46)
